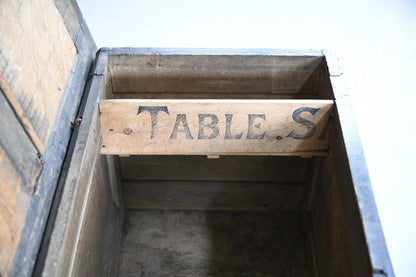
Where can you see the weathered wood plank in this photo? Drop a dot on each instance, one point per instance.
(16, 143)
(227, 168)
(210, 95)
(21, 115)
(76, 191)
(208, 195)
(71, 16)
(98, 241)
(359, 185)
(201, 243)
(36, 56)
(337, 230)
(28, 254)
(136, 51)
(19, 172)
(219, 127)
(77, 247)
(215, 74)
(14, 202)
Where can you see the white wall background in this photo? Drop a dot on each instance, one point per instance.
(376, 43)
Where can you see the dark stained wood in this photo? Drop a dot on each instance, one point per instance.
(223, 74)
(192, 243)
(226, 168)
(313, 177)
(337, 230)
(114, 175)
(209, 95)
(100, 238)
(209, 195)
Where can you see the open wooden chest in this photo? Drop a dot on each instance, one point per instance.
(121, 205)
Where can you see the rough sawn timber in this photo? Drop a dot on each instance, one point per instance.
(215, 127)
(36, 57)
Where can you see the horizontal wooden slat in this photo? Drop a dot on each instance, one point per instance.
(208, 195)
(215, 127)
(227, 168)
(210, 95)
(247, 74)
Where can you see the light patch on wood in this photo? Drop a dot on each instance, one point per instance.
(36, 56)
(13, 208)
(215, 127)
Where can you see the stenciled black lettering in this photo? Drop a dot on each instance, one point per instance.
(296, 116)
(251, 126)
(181, 118)
(212, 126)
(228, 135)
(153, 110)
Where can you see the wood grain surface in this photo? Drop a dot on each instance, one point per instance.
(227, 168)
(204, 243)
(220, 75)
(213, 196)
(14, 203)
(215, 127)
(36, 57)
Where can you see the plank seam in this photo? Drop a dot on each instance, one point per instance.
(21, 115)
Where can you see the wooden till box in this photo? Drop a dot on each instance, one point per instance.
(178, 162)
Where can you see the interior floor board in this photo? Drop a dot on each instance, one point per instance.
(212, 243)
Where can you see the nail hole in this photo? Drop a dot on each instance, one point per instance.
(127, 131)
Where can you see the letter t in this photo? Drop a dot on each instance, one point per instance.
(153, 110)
